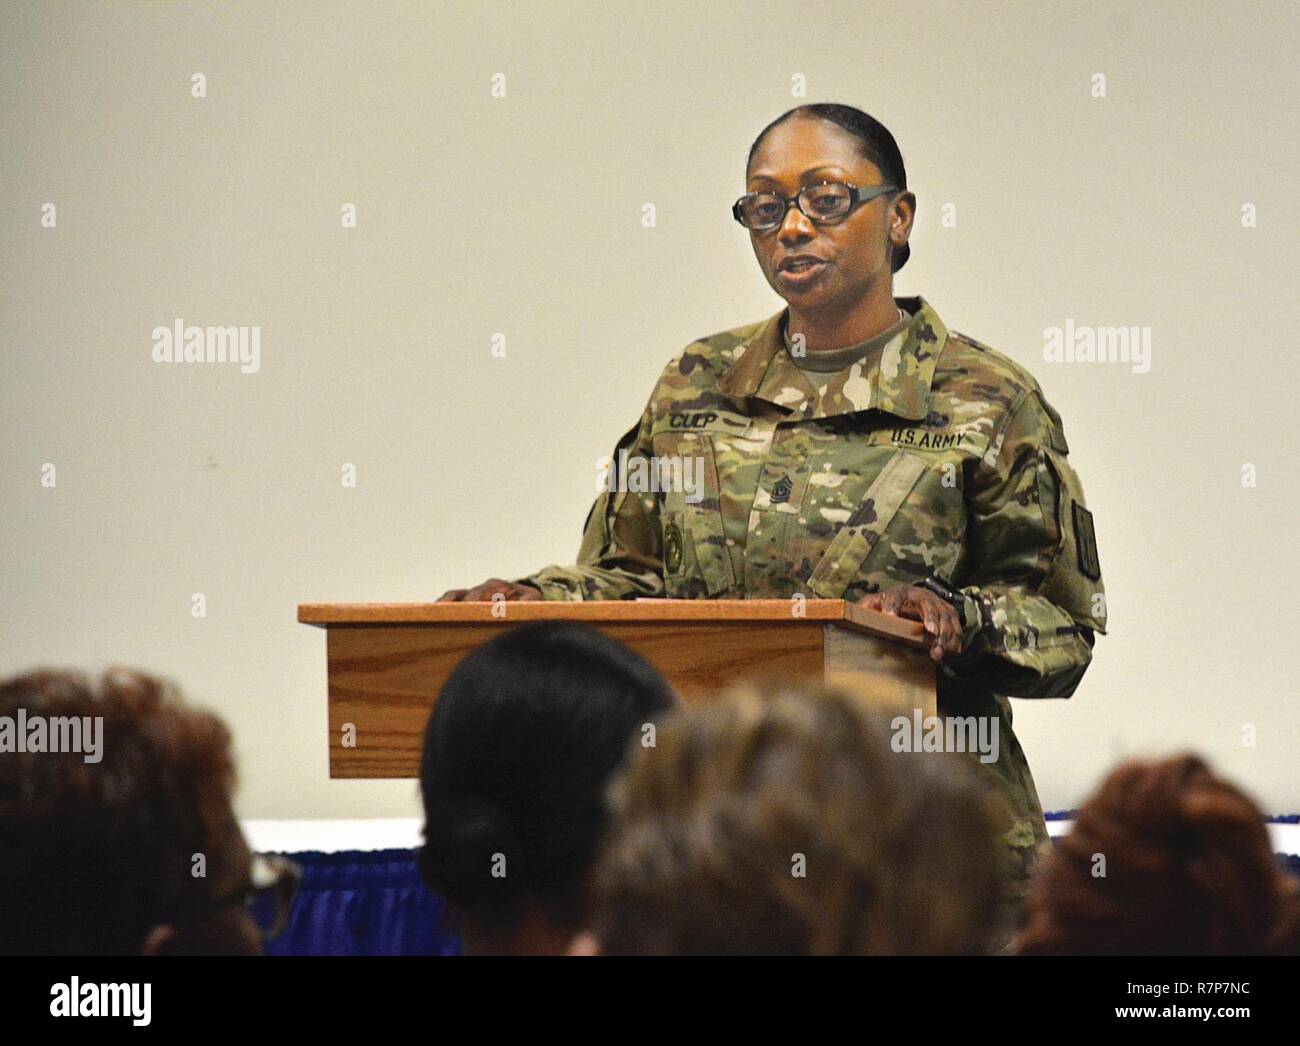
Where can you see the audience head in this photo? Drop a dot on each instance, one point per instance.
(128, 845)
(781, 822)
(517, 753)
(1166, 859)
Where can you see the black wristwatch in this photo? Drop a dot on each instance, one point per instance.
(941, 588)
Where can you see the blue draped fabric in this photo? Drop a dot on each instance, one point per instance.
(374, 903)
(365, 903)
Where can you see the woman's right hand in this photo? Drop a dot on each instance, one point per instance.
(490, 588)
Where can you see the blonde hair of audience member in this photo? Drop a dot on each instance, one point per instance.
(779, 821)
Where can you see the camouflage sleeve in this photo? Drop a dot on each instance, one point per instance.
(1031, 577)
(621, 555)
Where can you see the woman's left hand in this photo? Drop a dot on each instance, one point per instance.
(942, 625)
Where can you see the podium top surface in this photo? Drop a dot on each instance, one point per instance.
(826, 611)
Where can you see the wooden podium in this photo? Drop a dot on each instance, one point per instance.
(387, 661)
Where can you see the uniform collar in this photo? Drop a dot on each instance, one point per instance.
(899, 383)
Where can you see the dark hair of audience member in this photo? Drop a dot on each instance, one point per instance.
(518, 750)
(98, 858)
(1166, 859)
(779, 821)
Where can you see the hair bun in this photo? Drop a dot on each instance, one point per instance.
(466, 838)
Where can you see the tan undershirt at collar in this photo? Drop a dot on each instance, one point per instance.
(828, 361)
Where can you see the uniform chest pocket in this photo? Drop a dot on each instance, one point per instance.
(856, 539)
(696, 561)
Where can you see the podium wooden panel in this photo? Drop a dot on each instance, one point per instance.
(387, 661)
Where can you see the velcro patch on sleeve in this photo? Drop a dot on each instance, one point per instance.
(1085, 540)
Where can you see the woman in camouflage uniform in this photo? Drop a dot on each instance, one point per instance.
(853, 447)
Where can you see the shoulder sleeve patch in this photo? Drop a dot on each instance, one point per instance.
(1085, 540)
(1056, 437)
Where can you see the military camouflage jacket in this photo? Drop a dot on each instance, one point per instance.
(940, 456)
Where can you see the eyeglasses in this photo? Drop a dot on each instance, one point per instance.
(272, 885)
(824, 204)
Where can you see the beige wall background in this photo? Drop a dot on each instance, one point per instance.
(522, 215)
